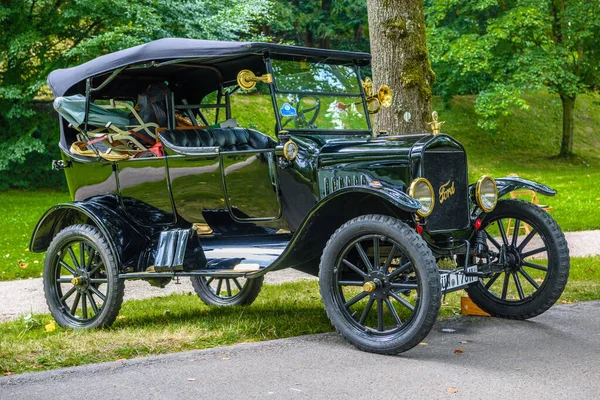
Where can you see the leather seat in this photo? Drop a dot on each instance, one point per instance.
(227, 139)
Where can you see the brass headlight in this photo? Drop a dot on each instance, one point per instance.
(486, 193)
(421, 190)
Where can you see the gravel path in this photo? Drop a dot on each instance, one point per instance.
(24, 296)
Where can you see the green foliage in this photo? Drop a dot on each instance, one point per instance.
(499, 49)
(40, 36)
(338, 24)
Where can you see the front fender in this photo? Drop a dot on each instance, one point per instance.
(510, 183)
(103, 212)
(304, 250)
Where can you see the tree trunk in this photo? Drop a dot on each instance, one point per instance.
(400, 60)
(568, 104)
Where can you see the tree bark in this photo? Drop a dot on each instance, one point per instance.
(400, 60)
(568, 104)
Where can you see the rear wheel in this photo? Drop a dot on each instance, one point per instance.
(380, 284)
(81, 279)
(220, 291)
(530, 262)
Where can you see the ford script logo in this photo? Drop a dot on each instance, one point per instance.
(446, 190)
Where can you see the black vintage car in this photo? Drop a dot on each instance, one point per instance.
(223, 161)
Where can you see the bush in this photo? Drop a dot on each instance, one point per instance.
(32, 169)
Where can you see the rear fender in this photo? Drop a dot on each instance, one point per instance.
(306, 246)
(104, 212)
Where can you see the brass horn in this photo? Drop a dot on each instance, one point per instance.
(383, 98)
(384, 95)
(246, 79)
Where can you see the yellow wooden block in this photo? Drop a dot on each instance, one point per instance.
(467, 307)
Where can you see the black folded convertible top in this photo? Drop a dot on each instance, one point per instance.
(62, 80)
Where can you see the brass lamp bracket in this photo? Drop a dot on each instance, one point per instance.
(246, 79)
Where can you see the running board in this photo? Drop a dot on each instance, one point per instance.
(235, 273)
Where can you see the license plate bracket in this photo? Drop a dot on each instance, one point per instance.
(456, 280)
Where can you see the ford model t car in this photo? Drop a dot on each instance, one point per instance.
(223, 161)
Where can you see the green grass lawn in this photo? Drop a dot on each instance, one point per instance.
(22, 210)
(182, 322)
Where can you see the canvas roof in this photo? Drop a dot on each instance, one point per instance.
(205, 52)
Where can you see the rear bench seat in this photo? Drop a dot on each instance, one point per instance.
(196, 141)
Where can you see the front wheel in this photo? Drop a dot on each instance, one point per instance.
(81, 279)
(380, 284)
(529, 262)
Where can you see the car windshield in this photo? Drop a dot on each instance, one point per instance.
(318, 96)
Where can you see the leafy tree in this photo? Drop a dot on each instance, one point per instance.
(500, 48)
(42, 35)
(338, 24)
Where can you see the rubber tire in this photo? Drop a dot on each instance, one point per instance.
(557, 275)
(115, 286)
(245, 297)
(425, 266)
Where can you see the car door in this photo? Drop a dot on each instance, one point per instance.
(250, 184)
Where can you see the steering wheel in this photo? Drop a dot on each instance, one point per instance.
(301, 119)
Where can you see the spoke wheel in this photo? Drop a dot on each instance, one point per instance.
(222, 291)
(81, 281)
(529, 261)
(380, 284)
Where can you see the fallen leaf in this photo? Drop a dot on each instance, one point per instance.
(50, 327)
(538, 280)
(422, 344)
(8, 373)
(121, 317)
(191, 379)
(225, 358)
(566, 302)
(458, 351)
(23, 264)
(36, 262)
(120, 359)
(27, 249)
(452, 390)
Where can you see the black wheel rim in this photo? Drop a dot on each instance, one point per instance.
(80, 282)
(376, 286)
(520, 260)
(225, 288)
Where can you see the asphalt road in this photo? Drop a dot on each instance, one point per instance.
(553, 356)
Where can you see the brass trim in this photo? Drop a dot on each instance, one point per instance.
(246, 79)
(411, 192)
(434, 124)
(286, 154)
(369, 286)
(383, 97)
(77, 281)
(478, 193)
